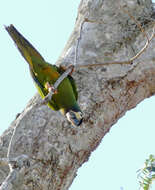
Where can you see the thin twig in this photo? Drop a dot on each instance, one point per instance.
(55, 86)
(19, 166)
(80, 36)
(142, 30)
(136, 21)
(78, 41)
(10, 143)
(130, 61)
(144, 48)
(105, 64)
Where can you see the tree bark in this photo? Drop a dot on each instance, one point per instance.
(54, 148)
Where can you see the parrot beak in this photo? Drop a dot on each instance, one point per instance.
(75, 118)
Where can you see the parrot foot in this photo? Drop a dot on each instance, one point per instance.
(72, 67)
(55, 91)
(50, 88)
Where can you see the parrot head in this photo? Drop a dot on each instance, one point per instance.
(74, 117)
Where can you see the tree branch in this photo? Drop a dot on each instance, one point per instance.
(18, 166)
(54, 148)
(130, 61)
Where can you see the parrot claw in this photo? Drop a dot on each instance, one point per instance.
(48, 97)
(55, 91)
(50, 88)
(72, 67)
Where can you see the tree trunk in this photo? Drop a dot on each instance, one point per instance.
(54, 148)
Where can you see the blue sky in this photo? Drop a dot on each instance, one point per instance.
(48, 25)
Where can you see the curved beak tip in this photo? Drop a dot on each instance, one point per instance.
(80, 122)
(77, 122)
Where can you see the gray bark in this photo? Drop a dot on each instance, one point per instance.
(54, 148)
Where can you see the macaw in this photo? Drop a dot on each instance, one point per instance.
(45, 75)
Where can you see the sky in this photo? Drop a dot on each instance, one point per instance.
(48, 24)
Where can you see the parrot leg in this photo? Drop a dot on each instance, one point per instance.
(68, 67)
(50, 88)
(72, 69)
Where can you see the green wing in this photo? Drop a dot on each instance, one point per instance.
(25, 48)
(72, 81)
(42, 91)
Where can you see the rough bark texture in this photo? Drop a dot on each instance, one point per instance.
(56, 150)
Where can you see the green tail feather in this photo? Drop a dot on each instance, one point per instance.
(25, 48)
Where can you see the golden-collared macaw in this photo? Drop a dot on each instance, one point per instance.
(45, 75)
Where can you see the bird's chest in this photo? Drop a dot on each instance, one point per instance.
(65, 95)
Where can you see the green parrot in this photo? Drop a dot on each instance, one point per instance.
(45, 75)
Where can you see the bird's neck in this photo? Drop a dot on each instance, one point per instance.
(75, 107)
